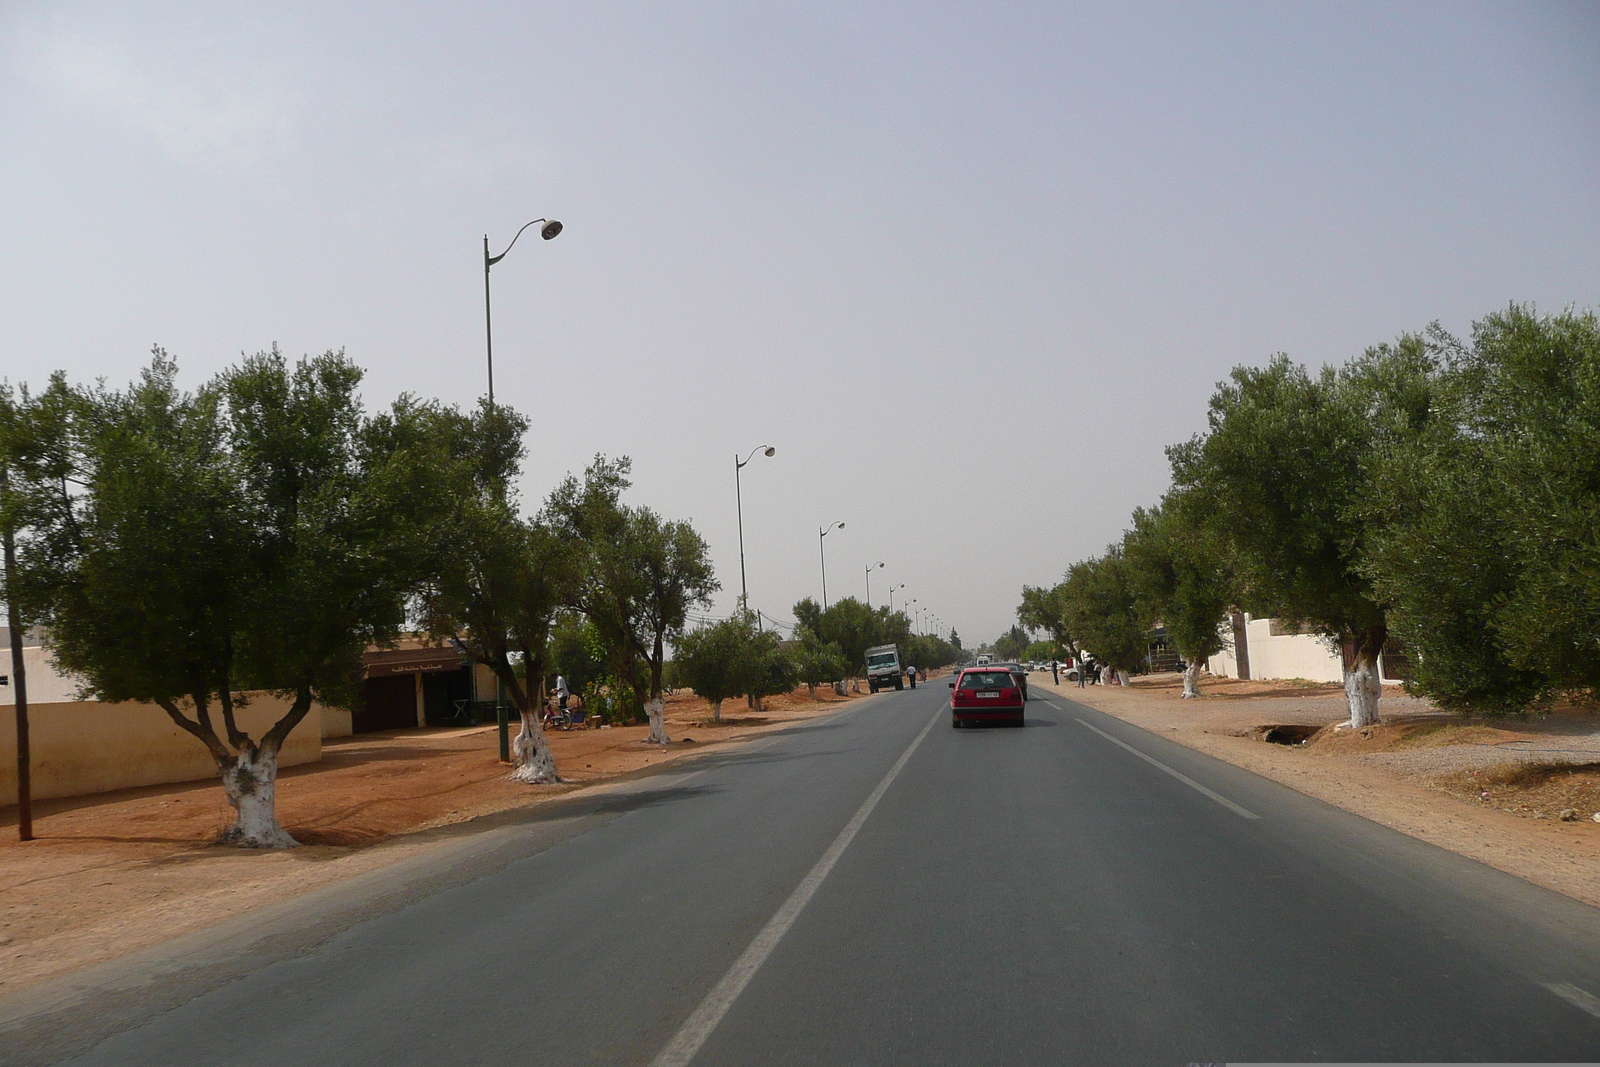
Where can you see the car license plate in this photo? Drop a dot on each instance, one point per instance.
(988, 696)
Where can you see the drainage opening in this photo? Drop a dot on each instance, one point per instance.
(1285, 734)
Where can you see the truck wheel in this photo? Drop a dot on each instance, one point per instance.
(899, 684)
(872, 686)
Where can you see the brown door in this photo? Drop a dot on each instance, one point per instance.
(388, 703)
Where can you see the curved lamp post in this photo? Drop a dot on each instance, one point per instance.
(821, 533)
(870, 568)
(892, 588)
(548, 231)
(738, 497)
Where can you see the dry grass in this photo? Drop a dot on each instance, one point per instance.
(1539, 790)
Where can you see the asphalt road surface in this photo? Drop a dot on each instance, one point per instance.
(877, 888)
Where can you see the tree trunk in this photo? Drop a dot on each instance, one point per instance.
(1191, 680)
(656, 709)
(716, 711)
(535, 765)
(1362, 688)
(1105, 675)
(250, 782)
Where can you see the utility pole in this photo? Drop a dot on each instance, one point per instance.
(19, 672)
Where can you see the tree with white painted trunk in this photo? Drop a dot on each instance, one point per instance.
(496, 580)
(636, 576)
(238, 538)
(1180, 581)
(1100, 607)
(706, 659)
(1282, 479)
(1488, 542)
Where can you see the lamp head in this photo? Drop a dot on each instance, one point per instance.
(770, 451)
(550, 228)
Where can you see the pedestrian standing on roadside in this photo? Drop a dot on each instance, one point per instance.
(1055, 672)
(1083, 670)
(562, 692)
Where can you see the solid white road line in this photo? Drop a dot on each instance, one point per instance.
(1581, 999)
(1180, 776)
(698, 1027)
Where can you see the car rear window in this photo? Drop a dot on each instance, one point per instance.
(987, 680)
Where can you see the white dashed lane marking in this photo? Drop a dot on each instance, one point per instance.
(1179, 775)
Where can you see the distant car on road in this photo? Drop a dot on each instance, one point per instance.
(986, 694)
(1019, 672)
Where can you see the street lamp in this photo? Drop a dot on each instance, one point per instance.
(870, 568)
(738, 497)
(821, 533)
(548, 231)
(892, 588)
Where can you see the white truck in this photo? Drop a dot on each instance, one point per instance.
(883, 668)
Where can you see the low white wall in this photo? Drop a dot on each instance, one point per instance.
(1281, 656)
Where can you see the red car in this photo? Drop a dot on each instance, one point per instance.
(985, 694)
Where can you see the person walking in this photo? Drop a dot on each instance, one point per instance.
(911, 672)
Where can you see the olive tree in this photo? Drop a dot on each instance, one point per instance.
(636, 576)
(1179, 579)
(495, 580)
(239, 537)
(1042, 609)
(1486, 543)
(1099, 605)
(1281, 479)
(706, 659)
(816, 661)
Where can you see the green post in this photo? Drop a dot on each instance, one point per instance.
(502, 718)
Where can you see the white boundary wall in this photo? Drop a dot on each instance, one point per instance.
(1280, 656)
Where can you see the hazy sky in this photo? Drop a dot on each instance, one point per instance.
(969, 267)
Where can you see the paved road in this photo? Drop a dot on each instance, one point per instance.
(1078, 891)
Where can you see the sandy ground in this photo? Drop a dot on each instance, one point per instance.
(114, 872)
(1489, 790)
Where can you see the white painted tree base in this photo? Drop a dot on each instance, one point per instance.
(1363, 690)
(535, 764)
(657, 711)
(251, 787)
(1191, 681)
